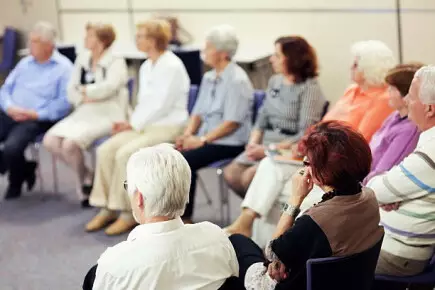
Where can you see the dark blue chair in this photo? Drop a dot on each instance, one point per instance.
(354, 272)
(192, 61)
(193, 95)
(9, 49)
(425, 280)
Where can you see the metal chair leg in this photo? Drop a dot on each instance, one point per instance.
(54, 170)
(224, 196)
(204, 189)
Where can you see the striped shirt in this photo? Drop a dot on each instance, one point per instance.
(227, 97)
(291, 107)
(410, 230)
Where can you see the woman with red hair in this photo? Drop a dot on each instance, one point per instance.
(337, 159)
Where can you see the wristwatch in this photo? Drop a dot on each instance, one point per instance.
(290, 210)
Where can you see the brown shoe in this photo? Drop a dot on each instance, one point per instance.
(99, 222)
(120, 226)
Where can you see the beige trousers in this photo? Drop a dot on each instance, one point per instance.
(112, 156)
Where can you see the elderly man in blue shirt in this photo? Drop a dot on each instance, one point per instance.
(32, 99)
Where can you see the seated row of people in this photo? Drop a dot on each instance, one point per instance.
(346, 220)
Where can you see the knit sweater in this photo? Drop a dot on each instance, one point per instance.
(410, 230)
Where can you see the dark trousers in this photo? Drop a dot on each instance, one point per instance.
(247, 252)
(202, 157)
(15, 137)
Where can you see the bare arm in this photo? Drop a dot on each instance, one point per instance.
(225, 129)
(193, 126)
(256, 136)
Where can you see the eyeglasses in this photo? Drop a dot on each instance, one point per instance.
(125, 185)
(306, 162)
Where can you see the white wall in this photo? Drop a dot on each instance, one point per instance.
(330, 25)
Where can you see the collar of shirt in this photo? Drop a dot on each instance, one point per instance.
(372, 92)
(226, 73)
(54, 58)
(155, 228)
(426, 137)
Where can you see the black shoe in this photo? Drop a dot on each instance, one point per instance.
(13, 192)
(30, 178)
(85, 203)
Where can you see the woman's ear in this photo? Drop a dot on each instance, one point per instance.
(430, 110)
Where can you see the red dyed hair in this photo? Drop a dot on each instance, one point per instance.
(339, 156)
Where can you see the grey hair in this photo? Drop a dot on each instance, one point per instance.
(45, 30)
(426, 76)
(224, 39)
(162, 176)
(375, 59)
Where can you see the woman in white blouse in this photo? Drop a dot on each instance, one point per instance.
(98, 92)
(160, 116)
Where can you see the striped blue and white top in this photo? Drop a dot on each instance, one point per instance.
(410, 230)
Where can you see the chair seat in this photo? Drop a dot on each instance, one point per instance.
(220, 163)
(100, 141)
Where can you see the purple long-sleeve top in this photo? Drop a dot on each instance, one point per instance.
(395, 140)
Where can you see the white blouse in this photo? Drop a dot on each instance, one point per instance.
(163, 93)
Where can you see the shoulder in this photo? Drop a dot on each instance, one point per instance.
(116, 259)
(239, 75)
(275, 81)
(62, 60)
(171, 60)
(24, 61)
(83, 58)
(350, 89)
(208, 230)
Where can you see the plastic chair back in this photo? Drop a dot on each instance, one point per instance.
(193, 95)
(9, 49)
(259, 97)
(354, 272)
(130, 86)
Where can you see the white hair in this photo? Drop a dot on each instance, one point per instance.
(374, 59)
(426, 76)
(45, 30)
(223, 38)
(162, 175)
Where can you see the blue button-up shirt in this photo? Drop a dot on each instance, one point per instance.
(227, 97)
(39, 86)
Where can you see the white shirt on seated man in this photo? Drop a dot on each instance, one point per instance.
(162, 252)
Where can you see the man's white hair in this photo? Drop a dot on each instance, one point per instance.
(223, 38)
(45, 30)
(162, 175)
(374, 59)
(426, 76)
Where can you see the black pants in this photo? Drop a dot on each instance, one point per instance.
(247, 252)
(202, 157)
(15, 137)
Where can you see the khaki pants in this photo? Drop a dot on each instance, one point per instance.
(112, 156)
(389, 264)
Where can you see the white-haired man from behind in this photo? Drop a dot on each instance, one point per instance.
(406, 191)
(162, 252)
(32, 99)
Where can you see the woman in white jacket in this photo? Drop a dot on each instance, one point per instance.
(99, 95)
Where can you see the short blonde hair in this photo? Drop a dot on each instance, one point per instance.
(159, 30)
(105, 32)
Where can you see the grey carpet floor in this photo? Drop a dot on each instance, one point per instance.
(42, 241)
